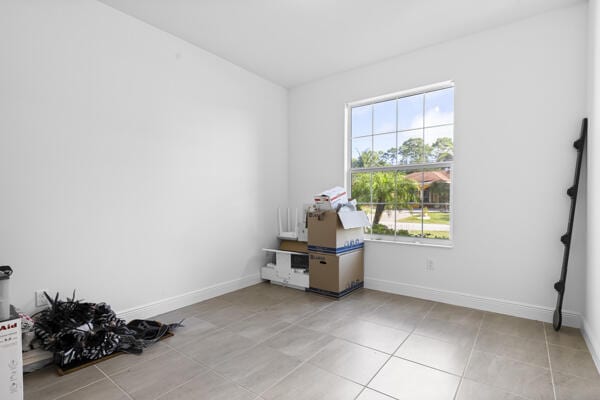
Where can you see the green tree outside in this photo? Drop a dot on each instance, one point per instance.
(390, 188)
(414, 151)
(443, 149)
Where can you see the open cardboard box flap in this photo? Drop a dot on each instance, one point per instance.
(353, 219)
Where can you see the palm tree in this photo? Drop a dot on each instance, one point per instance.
(383, 189)
(367, 158)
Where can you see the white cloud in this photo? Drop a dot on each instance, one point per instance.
(433, 117)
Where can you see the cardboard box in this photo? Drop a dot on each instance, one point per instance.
(336, 274)
(331, 199)
(336, 233)
(292, 245)
(11, 359)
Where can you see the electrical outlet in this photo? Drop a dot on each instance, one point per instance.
(429, 265)
(40, 298)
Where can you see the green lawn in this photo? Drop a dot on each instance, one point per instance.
(431, 234)
(384, 230)
(434, 218)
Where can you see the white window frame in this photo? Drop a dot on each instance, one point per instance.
(403, 167)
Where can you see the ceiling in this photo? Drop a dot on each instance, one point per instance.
(291, 42)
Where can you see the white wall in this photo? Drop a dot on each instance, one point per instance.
(519, 99)
(592, 310)
(134, 166)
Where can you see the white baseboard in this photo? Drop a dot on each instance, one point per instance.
(501, 306)
(592, 342)
(186, 299)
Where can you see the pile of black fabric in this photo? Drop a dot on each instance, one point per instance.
(78, 332)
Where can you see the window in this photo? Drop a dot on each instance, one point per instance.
(401, 150)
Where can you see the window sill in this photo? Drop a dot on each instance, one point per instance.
(415, 243)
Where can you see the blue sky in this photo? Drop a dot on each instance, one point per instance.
(380, 120)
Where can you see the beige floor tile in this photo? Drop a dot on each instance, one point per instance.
(403, 379)
(400, 298)
(193, 329)
(206, 306)
(371, 296)
(314, 299)
(210, 338)
(394, 316)
(312, 383)
(228, 315)
(530, 351)
(519, 378)
(574, 388)
(299, 342)
(447, 331)
(446, 356)
(258, 327)
(410, 304)
(515, 326)
(46, 384)
(279, 292)
(119, 363)
(369, 394)
(260, 288)
(172, 316)
(213, 304)
(567, 337)
(349, 360)
(573, 362)
(369, 334)
(351, 307)
(471, 390)
(258, 369)
(459, 315)
(229, 297)
(291, 311)
(322, 321)
(101, 390)
(259, 302)
(218, 347)
(253, 299)
(152, 379)
(417, 306)
(209, 386)
(274, 292)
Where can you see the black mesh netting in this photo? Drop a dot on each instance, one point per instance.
(77, 332)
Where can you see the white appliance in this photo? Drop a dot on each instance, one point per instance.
(11, 358)
(284, 271)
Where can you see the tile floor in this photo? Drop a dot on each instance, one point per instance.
(266, 342)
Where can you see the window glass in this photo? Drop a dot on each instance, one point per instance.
(362, 120)
(411, 149)
(439, 107)
(362, 154)
(385, 147)
(384, 117)
(439, 142)
(410, 112)
(402, 157)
